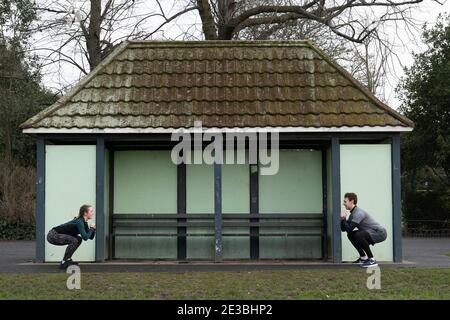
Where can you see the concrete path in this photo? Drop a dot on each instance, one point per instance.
(17, 256)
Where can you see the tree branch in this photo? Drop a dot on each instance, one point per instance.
(178, 14)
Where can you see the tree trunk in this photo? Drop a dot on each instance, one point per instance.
(226, 10)
(225, 32)
(93, 39)
(208, 23)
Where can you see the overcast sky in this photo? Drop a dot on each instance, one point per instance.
(62, 76)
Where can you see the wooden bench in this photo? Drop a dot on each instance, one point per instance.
(304, 224)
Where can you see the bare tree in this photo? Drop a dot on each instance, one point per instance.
(369, 65)
(83, 33)
(335, 46)
(225, 19)
(353, 32)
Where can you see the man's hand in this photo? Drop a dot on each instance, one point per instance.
(93, 226)
(343, 214)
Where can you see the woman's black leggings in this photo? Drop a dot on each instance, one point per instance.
(60, 239)
(361, 241)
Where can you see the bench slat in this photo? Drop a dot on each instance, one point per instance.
(212, 235)
(224, 216)
(225, 224)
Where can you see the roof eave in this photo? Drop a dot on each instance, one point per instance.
(361, 87)
(126, 130)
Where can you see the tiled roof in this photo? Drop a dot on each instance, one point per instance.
(155, 84)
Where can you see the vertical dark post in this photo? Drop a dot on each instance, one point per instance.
(324, 205)
(40, 199)
(396, 198)
(254, 210)
(181, 210)
(336, 197)
(218, 200)
(111, 205)
(99, 200)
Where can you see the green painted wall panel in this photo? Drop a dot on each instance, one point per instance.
(200, 247)
(290, 247)
(200, 199)
(199, 188)
(296, 188)
(236, 199)
(69, 183)
(236, 247)
(235, 188)
(366, 171)
(145, 182)
(146, 247)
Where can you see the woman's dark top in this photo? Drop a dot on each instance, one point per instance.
(76, 227)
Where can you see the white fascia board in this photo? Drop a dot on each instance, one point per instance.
(214, 129)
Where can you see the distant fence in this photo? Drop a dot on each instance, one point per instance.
(426, 228)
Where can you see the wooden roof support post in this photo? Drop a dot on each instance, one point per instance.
(40, 199)
(218, 200)
(396, 198)
(181, 210)
(99, 200)
(336, 194)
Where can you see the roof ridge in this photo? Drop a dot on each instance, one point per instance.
(222, 59)
(215, 113)
(359, 86)
(164, 86)
(217, 43)
(223, 100)
(61, 102)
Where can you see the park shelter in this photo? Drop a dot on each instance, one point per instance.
(107, 142)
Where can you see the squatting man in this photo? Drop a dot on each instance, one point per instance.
(368, 231)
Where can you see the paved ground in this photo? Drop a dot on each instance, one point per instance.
(427, 252)
(17, 256)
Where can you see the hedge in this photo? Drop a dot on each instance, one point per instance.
(14, 229)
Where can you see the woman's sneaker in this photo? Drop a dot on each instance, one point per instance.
(369, 263)
(64, 265)
(72, 262)
(358, 261)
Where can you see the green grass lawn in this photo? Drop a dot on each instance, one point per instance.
(298, 284)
